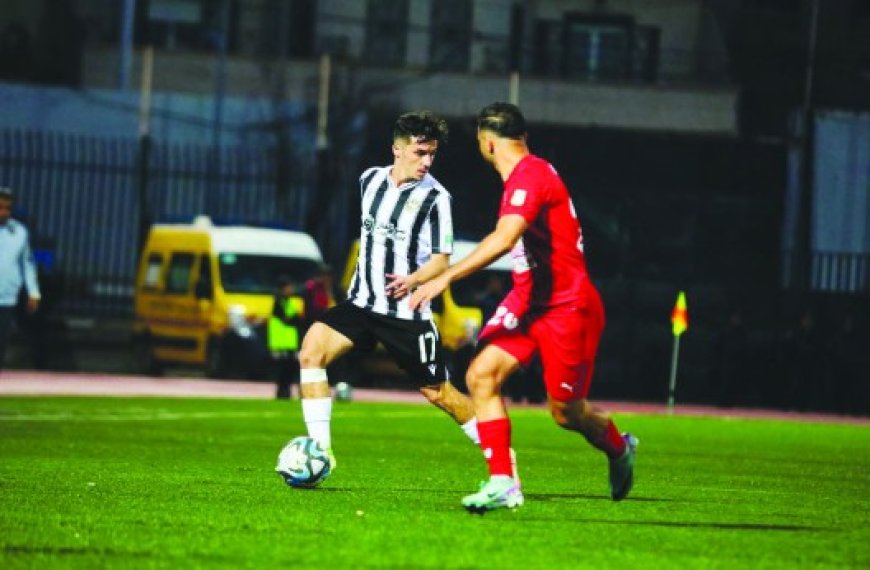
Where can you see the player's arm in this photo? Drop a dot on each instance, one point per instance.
(436, 265)
(501, 240)
(400, 285)
(31, 283)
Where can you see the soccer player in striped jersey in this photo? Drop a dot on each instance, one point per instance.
(553, 310)
(406, 238)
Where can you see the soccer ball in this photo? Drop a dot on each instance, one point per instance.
(343, 392)
(303, 463)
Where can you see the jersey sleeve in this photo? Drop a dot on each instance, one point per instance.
(440, 222)
(525, 195)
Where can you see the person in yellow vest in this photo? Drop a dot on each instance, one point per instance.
(283, 334)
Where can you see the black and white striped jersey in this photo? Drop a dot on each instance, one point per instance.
(401, 228)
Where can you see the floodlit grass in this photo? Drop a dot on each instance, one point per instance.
(103, 482)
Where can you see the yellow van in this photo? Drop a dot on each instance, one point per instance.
(198, 282)
(458, 312)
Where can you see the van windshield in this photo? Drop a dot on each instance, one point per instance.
(259, 274)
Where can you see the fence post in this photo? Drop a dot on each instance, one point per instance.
(144, 154)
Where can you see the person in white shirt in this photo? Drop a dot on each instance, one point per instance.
(17, 268)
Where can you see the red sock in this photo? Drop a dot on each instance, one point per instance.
(495, 441)
(614, 445)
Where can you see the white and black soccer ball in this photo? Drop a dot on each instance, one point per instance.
(303, 463)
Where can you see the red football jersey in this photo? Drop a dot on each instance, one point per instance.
(549, 266)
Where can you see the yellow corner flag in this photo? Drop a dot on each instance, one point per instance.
(680, 315)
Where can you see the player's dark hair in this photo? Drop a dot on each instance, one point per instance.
(504, 119)
(424, 125)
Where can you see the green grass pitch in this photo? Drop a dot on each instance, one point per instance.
(190, 483)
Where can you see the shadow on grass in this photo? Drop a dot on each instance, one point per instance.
(71, 551)
(684, 524)
(383, 490)
(558, 496)
(713, 525)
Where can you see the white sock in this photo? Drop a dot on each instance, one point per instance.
(470, 429)
(317, 411)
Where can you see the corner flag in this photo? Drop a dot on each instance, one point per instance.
(680, 322)
(680, 315)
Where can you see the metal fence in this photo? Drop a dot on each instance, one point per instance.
(829, 272)
(79, 195)
(840, 272)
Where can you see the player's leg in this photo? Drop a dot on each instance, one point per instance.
(601, 432)
(568, 344)
(324, 342)
(417, 348)
(459, 406)
(454, 403)
(486, 374)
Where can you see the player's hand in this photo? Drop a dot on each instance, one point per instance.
(399, 286)
(32, 304)
(428, 291)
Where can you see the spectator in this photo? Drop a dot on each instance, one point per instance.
(489, 299)
(284, 328)
(318, 295)
(17, 268)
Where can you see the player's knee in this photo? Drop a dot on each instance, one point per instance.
(569, 415)
(313, 353)
(311, 356)
(560, 417)
(479, 380)
(435, 393)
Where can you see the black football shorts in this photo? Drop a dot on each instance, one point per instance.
(416, 345)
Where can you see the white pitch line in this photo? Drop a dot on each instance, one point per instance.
(137, 417)
(171, 416)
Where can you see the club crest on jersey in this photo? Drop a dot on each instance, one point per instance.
(518, 198)
(413, 205)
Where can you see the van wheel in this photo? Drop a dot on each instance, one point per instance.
(143, 351)
(215, 362)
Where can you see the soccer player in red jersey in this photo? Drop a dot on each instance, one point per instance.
(553, 309)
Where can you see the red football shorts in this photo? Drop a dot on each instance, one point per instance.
(565, 337)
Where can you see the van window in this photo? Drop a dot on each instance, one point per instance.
(178, 277)
(259, 274)
(152, 271)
